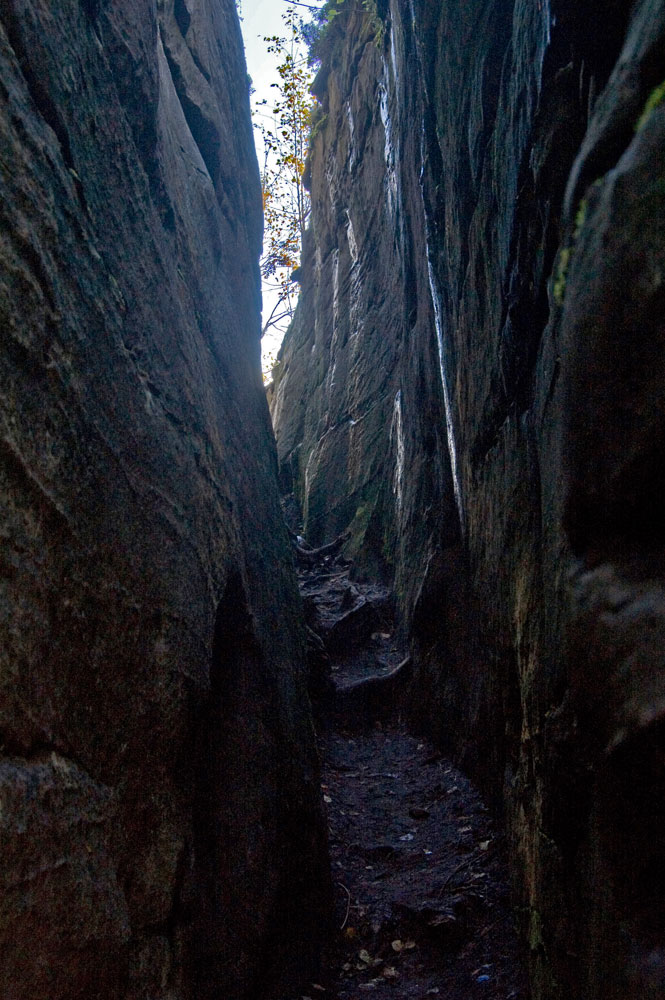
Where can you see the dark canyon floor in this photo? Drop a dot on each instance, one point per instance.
(419, 867)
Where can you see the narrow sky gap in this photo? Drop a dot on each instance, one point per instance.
(261, 19)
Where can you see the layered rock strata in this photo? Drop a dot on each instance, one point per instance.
(160, 832)
(472, 385)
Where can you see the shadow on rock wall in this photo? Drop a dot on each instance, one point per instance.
(475, 372)
(138, 495)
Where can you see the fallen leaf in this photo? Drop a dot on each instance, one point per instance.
(327, 799)
(350, 932)
(397, 945)
(390, 972)
(365, 957)
(484, 845)
(321, 989)
(409, 945)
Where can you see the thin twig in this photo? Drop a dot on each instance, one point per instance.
(348, 904)
(467, 861)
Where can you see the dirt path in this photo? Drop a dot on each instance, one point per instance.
(422, 899)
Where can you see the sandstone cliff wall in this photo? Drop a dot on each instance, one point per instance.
(160, 832)
(473, 383)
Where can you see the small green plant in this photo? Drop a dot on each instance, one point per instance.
(319, 119)
(655, 99)
(566, 253)
(559, 288)
(580, 217)
(270, 368)
(377, 21)
(327, 26)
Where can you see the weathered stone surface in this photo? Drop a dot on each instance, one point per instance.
(58, 875)
(612, 323)
(160, 828)
(505, 278)
(359, 424)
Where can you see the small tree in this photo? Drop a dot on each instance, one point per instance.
(285, 127)
(327, 24)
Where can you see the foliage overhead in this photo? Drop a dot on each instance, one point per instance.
(285, 125)
(327, 25)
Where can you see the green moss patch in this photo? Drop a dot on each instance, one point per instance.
(655, 99)
(559, 288)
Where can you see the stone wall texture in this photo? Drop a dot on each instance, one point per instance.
(160, 831)
(473, 385)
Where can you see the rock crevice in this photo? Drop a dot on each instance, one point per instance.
(499, 307)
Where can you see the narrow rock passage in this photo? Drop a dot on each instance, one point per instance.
(423, 906)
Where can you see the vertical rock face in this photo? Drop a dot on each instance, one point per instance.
(159, 826)
(473, 382)
(360, 422)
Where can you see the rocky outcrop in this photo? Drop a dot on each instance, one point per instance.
(160, 831)
(472, 385)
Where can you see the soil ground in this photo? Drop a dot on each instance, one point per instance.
(419, 870)
(422, 897)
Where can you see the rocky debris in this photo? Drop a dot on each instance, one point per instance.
(351, 639)
(346, 614)
(308, 555)
(420, 872)
(354, 627)
(375, 696)
(160, 824)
